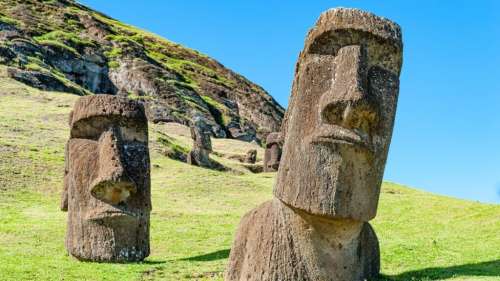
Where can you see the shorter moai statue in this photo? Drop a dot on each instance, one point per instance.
(272, 154)
(107, 180)
(202, 144)
(251, 156)
(337, 132)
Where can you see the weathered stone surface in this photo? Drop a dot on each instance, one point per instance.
(107, 180)
(341, 115)
(202, 144)
(272, 154)
(251, 156)
(41, 80)
(336, 134)
(276, 242)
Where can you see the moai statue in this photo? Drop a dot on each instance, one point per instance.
(251, 156)
(107, 180)
(336, 140)
(272, 154)
(202, 145)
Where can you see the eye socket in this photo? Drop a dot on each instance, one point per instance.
(133, 134)
(127, 130)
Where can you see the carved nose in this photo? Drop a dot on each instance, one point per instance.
(350, 73)
(347, 100)
(112, 184)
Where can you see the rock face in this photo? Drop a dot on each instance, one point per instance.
(272, 154)
(64, 46)
(202, 145)
(336, 138)
(107, 180)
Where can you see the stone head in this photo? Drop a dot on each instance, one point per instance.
(200, 133)
(273, 151)
(251, 156)
(341, 115)
(107, 179)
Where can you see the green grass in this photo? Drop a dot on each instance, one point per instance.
(195, 211)
(62, 36)
(66, 40)
(219, 111)
(8, 20)
(172, 147)
(61, 28)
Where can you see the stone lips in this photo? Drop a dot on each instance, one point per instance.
(106, 105)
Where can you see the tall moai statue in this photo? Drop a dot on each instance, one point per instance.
(202, 144)
(272, 154)
(107, 180)
(337, 134)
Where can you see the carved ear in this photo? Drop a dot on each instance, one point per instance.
(64, 195)
(70, 121)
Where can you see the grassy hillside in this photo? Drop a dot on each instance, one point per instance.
(196, 211)
(62, 45)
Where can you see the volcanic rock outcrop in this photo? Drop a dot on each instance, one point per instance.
(61, 45)
(272, 154)
(338, 130)
(107, 180)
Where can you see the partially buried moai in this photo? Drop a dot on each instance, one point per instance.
(202, 144)
(250, 156)
(336, 139)
(272, 154)
(107, 180)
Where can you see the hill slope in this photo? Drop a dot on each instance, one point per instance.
(61, 45)
(196, 211)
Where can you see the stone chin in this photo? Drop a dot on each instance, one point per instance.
(332, 178)
(116, 242)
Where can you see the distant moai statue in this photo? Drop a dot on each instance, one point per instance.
(251, 156)
(107, 180)
(272, 154)
(202, 144)
(337, 134)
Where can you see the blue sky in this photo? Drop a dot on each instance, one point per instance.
(447, 134)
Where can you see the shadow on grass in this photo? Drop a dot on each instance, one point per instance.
(217, 255)
(152, 262)
(489, 268)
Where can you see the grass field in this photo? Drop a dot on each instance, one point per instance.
(196, 211)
